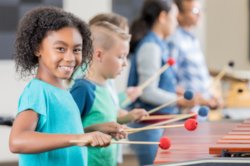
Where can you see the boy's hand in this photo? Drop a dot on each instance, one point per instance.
(121, 134)
(94, 139)
(137, 114)
(112, 128)
(212, 103)
(187, 103)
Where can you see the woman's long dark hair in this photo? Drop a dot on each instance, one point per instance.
(150, 12)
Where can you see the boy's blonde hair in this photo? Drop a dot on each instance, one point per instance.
(112, 18)
(104, 34)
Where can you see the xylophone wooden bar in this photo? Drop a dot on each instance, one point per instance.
(243, 125)
(236, 137)
(244, 129)
(238, 133)
(233, 148)
(236, 141)
(246, 121)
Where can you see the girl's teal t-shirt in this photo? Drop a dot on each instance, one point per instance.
(58, 114)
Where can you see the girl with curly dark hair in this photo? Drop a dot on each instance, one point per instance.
(51, 43)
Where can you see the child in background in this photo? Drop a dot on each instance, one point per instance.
(111, 46)
(131, 92)
(51, 43)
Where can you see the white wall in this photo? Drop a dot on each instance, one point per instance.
(86, 9)
(11, 87)
(227, 33)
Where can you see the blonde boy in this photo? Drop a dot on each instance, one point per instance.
(91, 93)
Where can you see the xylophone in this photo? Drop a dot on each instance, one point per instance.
(194, 146)
(234, 143)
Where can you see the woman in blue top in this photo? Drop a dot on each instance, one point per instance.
(52, 43)
(149, 53)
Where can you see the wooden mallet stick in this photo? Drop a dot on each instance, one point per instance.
(164, 142)
(167, 122)
(170, 62)
(190, 125)
(159, 117)
(188, 95)
(222, 73)
(203, 112)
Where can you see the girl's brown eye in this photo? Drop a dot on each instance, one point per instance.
(77, 50)
(60, 49)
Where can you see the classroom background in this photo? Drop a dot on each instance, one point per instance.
(223, 32)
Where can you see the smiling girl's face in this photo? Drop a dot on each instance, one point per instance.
(59, 53)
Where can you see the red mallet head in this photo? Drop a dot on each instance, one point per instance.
(165, 143)
(170, 61)
(191, 124)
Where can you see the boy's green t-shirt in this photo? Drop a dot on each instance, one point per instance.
(96, 106)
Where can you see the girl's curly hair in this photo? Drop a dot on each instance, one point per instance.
(33, 28)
